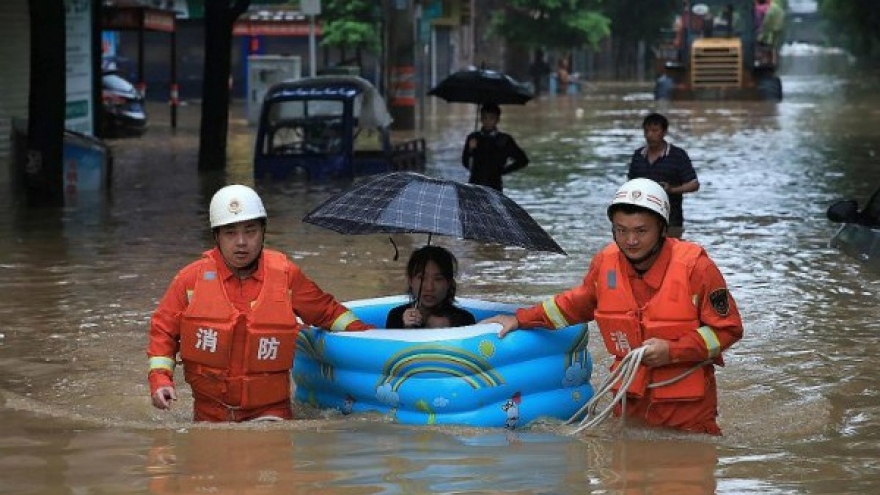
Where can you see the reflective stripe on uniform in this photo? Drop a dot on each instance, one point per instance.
(343, 321)
(554, 314)
(711, 340)
(162, 363)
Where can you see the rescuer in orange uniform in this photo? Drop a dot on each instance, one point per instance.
(647, 290)
(232, 317)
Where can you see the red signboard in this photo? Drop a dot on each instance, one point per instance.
(135, 18)
(272, 28)
(156, 20)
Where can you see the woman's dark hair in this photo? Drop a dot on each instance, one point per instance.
(445, 261)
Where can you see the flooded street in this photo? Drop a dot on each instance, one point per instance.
(799, 402)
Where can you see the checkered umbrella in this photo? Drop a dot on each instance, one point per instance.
(407, 202)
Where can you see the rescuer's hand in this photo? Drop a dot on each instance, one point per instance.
(508, 323)
(163, 396)
(656, 354)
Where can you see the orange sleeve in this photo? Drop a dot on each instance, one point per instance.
(165, 323)
(315, 306)
(575, 305)
(717, 310)
(358, 326)
(158, 379)
(164, 336)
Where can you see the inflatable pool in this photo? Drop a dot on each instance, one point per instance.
(457, 376)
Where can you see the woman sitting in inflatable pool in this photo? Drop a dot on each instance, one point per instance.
(430, 275)
(464, 375)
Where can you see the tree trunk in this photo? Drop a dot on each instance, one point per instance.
(219, 18)
(42, 178)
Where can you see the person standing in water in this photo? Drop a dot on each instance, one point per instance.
(430, 275)
(667, 165)
(665, 296)
(232, 318)
(489, 153)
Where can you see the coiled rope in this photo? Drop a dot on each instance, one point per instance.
(624, 375)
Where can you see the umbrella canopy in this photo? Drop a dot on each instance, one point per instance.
(482, 86)
(407, 202)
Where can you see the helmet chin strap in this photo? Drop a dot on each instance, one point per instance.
(654, 250)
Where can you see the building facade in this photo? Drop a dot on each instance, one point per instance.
(14, 85)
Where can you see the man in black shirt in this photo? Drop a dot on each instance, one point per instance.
(490, 153)
(666, 164)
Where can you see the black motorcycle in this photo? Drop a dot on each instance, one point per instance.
(124, 113)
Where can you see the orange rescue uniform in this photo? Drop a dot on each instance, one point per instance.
(237, 337)
(682, 299)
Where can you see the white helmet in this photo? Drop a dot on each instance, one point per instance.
(644, 193)
(235, 203)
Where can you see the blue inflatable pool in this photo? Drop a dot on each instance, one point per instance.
(457, 376)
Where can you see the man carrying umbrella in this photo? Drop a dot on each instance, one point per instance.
(489, 153)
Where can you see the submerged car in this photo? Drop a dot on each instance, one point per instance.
(859, 234)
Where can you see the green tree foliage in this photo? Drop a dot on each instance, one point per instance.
(641, 19)
(855, 25)
(552, 23)
(351, 25)
(636, 24)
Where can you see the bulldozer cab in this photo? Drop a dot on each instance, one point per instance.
(721, 49)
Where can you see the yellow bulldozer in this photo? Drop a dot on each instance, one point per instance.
(721, 50)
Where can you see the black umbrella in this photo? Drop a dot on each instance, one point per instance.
(407, 202)
(482, 86)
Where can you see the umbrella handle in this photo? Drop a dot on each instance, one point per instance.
(422, 280)
(396, 251)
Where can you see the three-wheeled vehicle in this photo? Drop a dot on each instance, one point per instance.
(329, 127)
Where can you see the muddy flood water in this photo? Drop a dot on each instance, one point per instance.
(799, 400)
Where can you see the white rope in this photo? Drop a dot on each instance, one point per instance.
(623, 375)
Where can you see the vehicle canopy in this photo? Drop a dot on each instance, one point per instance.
(325, 114)
(324, 97)
(325, 126)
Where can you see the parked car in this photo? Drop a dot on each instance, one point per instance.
(329, 127)
(859, 234)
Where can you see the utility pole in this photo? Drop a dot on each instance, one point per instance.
(401, 62)
(311, 8)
